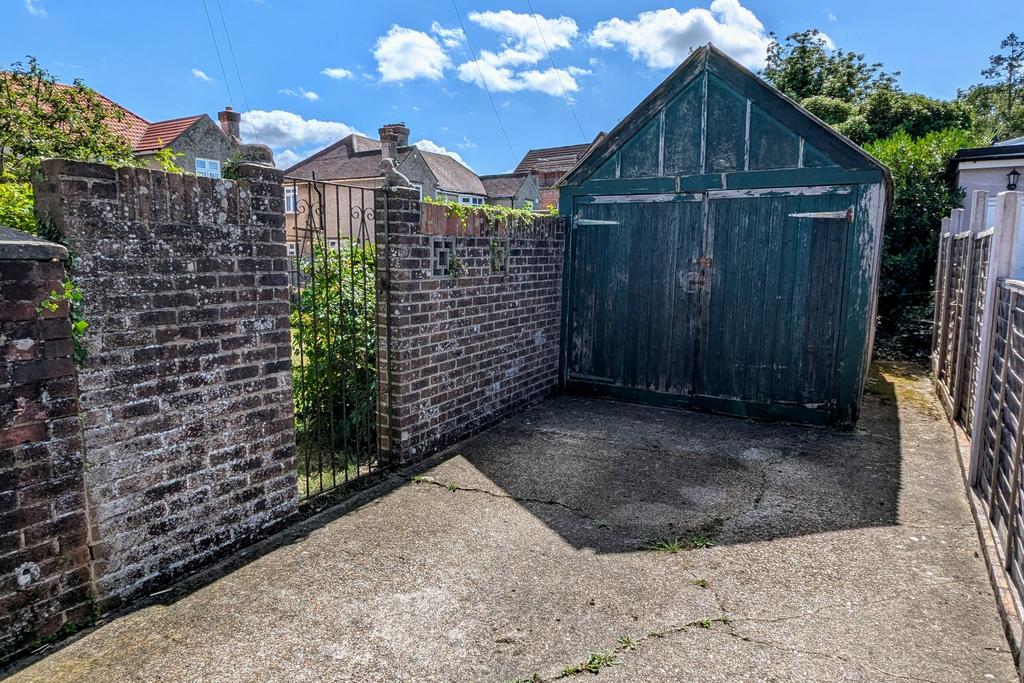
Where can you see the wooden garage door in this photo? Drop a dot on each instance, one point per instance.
(727, 301)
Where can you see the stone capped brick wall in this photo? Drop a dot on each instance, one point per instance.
(44, 554)
(186, 397)
(465, 351)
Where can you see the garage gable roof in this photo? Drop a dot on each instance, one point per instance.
(714, 116)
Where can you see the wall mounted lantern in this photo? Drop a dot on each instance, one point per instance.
(1012, 177)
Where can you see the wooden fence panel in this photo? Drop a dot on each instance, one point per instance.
(966, 388)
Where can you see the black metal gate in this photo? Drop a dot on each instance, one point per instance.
(332, 263)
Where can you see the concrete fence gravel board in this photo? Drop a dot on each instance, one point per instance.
(464, 351)
(45, 581)
(186, 399)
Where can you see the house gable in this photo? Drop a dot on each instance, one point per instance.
(711, 122)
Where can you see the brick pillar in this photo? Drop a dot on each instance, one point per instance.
(396, 219)
(45, 582)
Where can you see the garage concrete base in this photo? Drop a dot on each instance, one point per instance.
(645, 544)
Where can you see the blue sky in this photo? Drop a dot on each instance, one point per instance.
(312, 71)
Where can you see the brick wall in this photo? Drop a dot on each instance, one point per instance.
(466, 351)
(44, 555)
(186, 394)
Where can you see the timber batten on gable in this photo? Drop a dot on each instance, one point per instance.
(709, 123)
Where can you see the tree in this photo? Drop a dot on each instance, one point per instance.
(1007, 68)
(805, 64)
(41, 118)
(922, 195)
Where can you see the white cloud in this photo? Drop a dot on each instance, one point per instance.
(830, 16)
(526, 41)
(431, 146)
(337, 73)
(664, 38)
(201, 75)
(404, 53)
(287, 158)
(35, 9)
(466, 143)
(451, 37)
(284, 129)
(301, 92)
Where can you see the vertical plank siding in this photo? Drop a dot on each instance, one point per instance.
(724, 253)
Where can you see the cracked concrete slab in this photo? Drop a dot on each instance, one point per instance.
(836, 556)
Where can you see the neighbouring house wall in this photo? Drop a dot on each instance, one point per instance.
(529, 192)
(186, 398)
(462, 352)
(44, 555)
(332, 210)
(991, 180)
(206, 140)
(416, 170)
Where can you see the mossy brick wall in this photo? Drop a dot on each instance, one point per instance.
(186, 398)
(466, 351)
(44, 555)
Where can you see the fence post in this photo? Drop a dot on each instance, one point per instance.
(1003, 262)
(941, 273)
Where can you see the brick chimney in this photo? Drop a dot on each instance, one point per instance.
(230, 123)
(393, 136)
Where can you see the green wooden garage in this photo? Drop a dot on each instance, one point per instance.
(723, 253)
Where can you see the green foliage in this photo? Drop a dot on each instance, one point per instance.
(16, 205)
(1007, 69)
(167, 158)
(803, 65)
(70, 291)
(40, 118)
(229, 169)
(856, 128)
(988, 105)
(334, 339)
(505, 216)
(888, 111)
(923, 195)
(829, 109)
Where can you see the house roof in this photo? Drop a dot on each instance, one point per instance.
(1009, 152)
(142, 135)
(357, 156)
(503, 185)
(549, 159)
(451, 175)
(163, 133)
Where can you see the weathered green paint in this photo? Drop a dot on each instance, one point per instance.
(714, 289)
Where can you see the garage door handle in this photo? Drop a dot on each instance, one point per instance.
(834, 215)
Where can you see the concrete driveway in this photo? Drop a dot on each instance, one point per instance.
(644, 544)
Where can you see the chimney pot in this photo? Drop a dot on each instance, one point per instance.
(393, 136)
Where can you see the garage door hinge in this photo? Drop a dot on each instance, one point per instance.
(846, 215)
(577, 221)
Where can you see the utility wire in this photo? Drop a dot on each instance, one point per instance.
(483, 82)
(238, 74)
(223, 72)
(558, 73)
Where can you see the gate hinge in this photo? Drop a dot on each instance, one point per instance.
(846, 215)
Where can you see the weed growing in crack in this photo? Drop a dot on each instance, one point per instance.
(702, 583)
(601, 524)
(627, 643)
(451, 487)
(703, 623)
(809, 436)
(535, 678)
(595, 662)
(701, 539)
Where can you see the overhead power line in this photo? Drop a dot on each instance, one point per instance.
(216, 47)
(238, 74)
(483, 82)
(558, 72)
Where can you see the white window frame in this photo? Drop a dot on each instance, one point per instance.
(210, 168)
(471, 199)
(292, 250)
(419, 188)
(291, 195)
